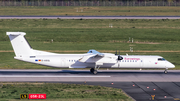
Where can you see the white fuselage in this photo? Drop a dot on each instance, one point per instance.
(72, 61)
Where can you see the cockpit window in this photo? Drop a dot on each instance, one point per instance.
(161, 59)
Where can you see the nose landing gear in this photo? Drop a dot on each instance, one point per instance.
(165, 72)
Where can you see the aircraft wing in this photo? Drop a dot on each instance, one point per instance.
(97, 57)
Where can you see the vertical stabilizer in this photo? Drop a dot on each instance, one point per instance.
(20, 45)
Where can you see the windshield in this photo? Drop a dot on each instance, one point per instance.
(161, 59)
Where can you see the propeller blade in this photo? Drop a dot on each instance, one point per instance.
(118, 64)
(116, 52)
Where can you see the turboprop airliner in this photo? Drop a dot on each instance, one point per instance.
(92, 59)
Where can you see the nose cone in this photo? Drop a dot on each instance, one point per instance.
(173, 66)
(170, 65)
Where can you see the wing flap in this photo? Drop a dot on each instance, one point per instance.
(90, 58)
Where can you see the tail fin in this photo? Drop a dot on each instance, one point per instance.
(20, 45)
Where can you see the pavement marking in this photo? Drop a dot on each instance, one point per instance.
(77, 51)
(47, 76)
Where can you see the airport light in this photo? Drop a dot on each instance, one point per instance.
(110, 25)
(132, 40)
(152, 97)
(154, 89)
(131, 49)
(147, 87)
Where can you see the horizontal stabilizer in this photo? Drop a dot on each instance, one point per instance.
(15, 33)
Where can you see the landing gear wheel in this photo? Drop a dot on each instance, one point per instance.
(95, 72)
(95, 69)
(92, 70)
(165, 72)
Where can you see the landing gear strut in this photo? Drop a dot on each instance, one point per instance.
(165, 72)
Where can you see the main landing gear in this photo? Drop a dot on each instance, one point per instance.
(94, 70)
(165, 72)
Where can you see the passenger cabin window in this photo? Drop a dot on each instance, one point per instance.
(161, 59)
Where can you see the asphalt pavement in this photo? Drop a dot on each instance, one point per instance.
(141, 85)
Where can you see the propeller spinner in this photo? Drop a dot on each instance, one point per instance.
(119, 56)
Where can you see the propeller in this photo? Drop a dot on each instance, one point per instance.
(116, 52)
(119, 57)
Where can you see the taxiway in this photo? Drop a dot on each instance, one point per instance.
(140, 85)
(85, 75)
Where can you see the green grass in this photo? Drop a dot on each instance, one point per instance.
(58, 91)
(89, 23)
(157, 36)
(101, 46)
(93, 30)
(110, 11)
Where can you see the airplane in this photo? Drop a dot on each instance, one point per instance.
(92, 59)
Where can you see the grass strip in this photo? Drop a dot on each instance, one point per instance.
(86, 11)
(58, 91)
